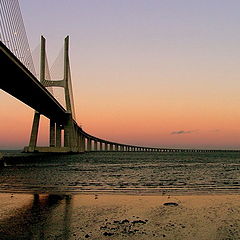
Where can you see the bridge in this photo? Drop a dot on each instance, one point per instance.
(21, 82)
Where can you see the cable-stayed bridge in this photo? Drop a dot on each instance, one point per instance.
(20, 80)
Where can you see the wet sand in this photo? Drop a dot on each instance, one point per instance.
(104, 216)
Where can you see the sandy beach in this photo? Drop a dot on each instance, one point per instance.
(203, 217)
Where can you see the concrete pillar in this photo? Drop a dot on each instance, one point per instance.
(36, 119)
(89, 144)
(69, 135)
(66, 76)
(95, 145)
(105, 146)
(52, 134)
(42, 59)
(116, 147)
(83, 143)
(121, 148)
(58, 135)
(111, 147)
(78, 138)
(100, 146)
(34, 133)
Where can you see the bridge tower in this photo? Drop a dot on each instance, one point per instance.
(68, 125)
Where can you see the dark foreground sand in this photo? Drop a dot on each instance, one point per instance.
(203, 217)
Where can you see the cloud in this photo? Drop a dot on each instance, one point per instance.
(183, 132)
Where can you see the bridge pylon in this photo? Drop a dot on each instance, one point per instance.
(70, 143)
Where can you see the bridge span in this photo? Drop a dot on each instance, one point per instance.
(23, 85)
(18, 79)
(19, 82)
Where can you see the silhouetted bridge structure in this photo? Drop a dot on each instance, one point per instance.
(19, 81)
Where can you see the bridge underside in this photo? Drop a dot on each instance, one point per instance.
(19, 82)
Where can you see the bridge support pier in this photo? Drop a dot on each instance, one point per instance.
(70, 135)
(34, 132)
(58, 135)
(105, 146)
(81, 143)
(111, 147)
(95, 145)
(89, 144)
(52, 134)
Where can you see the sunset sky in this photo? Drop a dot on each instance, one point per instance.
(156, 73)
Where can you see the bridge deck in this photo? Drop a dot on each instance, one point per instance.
(19, 82)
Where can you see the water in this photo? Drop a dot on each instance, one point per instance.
(61, 213)
(125, 172)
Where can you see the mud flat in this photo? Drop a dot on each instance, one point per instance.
(104, 216)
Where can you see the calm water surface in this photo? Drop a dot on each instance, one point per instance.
(122, 172)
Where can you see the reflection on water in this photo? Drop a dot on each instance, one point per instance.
(47, 217)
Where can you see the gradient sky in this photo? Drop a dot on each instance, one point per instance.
(150, 72)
